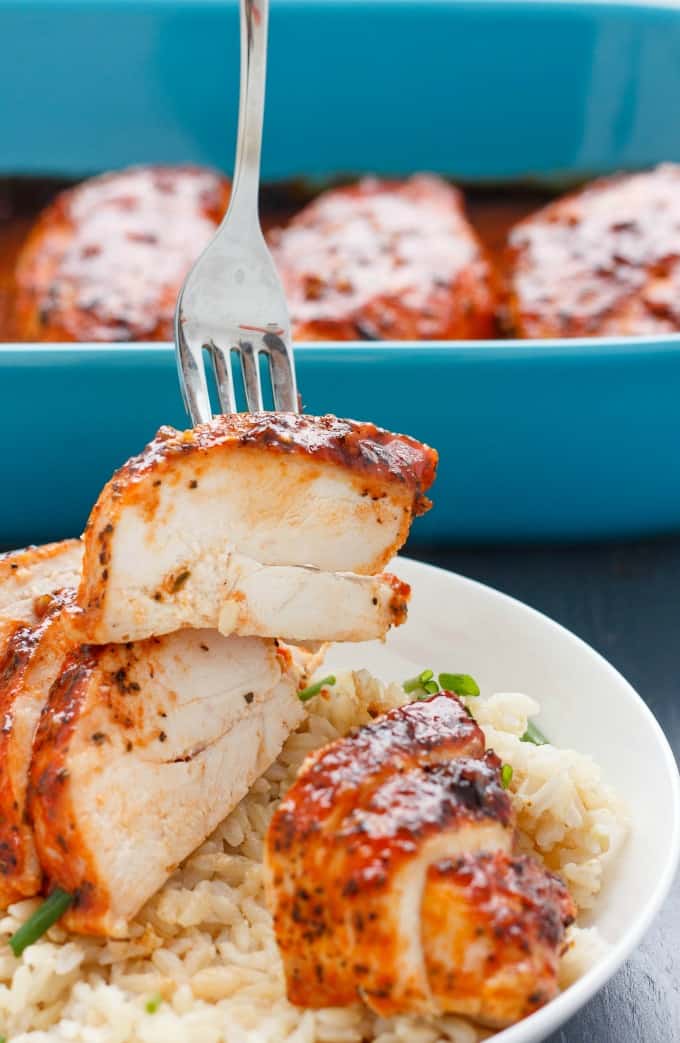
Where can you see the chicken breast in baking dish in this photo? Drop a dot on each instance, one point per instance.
(385, 260)
(603, 261)
(391, 878)
(106, 260)
(141, 751)
(249, 524)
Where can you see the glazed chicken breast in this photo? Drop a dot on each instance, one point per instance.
(219, 710)
(250, 524)
(492, 930)
(385, 260)
(141, 750)
(391, 878)
(602, 261)
(106, 260)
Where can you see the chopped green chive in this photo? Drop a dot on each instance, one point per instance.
(506, 775)
(534, 734)
(52, 909)
(461, 684)
(415, 684)
(153, 1003)
(314, 689)
(424, 684)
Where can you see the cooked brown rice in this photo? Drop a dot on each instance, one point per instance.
(201, 965)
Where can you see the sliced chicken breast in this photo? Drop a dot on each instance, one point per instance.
(357, 904)
(278, 489)
(29, 611)
(30, 664)
(316, 847)
(141, 751)
(29, 573)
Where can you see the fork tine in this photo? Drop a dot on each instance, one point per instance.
(192, 378)
(224, 377)
(282, 373)
(251, 375)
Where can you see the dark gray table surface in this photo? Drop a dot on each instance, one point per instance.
(624, 600)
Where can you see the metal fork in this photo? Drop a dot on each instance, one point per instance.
(232, 299)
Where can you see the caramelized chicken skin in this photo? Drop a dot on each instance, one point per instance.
(107, 258)
(601, 261)
(385, 260)
(31, 605)
(335, 777)
(377, 832)
(30, 664)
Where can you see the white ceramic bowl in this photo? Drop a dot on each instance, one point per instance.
(457, 625)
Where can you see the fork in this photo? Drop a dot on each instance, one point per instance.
(232, 300)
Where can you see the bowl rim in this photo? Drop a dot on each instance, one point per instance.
(549, 1018)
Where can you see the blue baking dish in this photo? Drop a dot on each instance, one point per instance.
(557, 439)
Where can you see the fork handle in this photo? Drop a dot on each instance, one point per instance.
(246, 183)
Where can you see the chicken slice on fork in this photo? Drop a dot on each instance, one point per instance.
(301, 603)
(180, 529)
(141, 751)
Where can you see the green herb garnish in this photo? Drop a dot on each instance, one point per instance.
(535, 735)
(153, 1003)
(461, 684)
(424, 684)
(52, 909)
(506, 775)
(314, 689)
(417, 684)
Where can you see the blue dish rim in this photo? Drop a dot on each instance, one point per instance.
(564, 347)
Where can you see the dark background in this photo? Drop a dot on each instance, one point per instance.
(623, 599)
